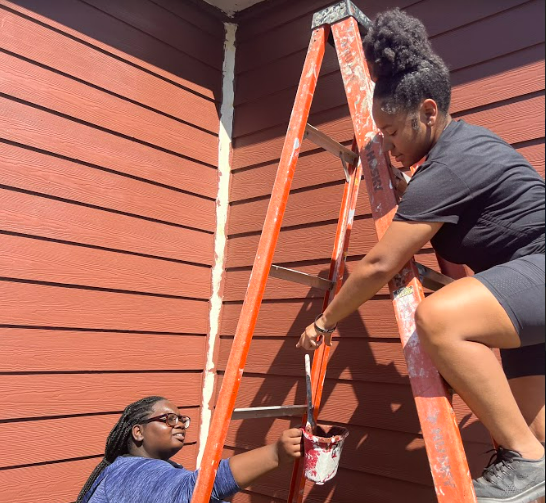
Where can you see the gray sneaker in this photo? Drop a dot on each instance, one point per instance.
(511, 479)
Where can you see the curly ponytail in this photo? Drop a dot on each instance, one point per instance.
(406, 67)
(117, 443)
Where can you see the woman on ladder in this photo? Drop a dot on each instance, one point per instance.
(480, 203)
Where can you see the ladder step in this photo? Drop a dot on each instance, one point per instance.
(433, 280)
(269, 412)
(330, 145)
(301, 277)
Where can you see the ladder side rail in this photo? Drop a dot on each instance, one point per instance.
(337, 270)
(443, 441)
(341, 249)
(264, 259)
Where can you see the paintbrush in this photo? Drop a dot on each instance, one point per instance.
(311, 424)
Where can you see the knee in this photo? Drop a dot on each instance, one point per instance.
(430, 325)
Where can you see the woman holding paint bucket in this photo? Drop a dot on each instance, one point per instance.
(480, 203)
(137, 466)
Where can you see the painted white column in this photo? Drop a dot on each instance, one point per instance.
(222, 208)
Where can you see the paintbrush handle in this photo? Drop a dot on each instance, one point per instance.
(310, 408)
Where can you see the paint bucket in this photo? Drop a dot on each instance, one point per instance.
(323, 452)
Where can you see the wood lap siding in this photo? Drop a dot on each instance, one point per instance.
(498, 83)
(108, 145)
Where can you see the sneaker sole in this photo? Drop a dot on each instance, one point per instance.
(528, 496)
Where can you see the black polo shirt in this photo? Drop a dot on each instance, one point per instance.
(489, 196)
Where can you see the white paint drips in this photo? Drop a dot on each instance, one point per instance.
(222, 207)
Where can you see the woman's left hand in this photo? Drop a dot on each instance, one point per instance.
(311, 340)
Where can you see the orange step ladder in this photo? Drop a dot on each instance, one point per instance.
(345, 24)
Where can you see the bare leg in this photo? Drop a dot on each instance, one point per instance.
(457, 326)
(529, 393)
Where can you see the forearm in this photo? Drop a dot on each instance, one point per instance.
(401, 241)
(250, 466)
(360, 287)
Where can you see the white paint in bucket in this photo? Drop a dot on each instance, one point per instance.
(323, 453)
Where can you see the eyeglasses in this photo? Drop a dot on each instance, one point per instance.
(171, 420)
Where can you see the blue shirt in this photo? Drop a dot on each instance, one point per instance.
(132, 479)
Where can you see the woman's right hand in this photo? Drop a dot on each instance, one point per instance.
(311, 339)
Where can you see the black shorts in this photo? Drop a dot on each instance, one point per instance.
(519, 286)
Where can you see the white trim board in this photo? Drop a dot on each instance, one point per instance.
(220, 244)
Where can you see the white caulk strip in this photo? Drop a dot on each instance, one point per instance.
(222, 207)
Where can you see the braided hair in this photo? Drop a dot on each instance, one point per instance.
(407, 69)
(117, 443)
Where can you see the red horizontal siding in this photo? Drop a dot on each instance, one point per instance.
(294, 34)
(266, 146)
(284, 11)
(48, 218)
(34, 305)
(45, 131)
(26, 350)
(450, 16)
(109, 122)
(59, 437)
(266, 114)
(518, 121)
(467, 45)
(33, 171)
(59, 482)
(535, 154)
(173, 32)
(192, 13)
(352, 359)
(500, 79)
(263, 146)
(79, 28)
(248, 497)
(38, 260)
(237, 280)
(300, 244)
(45, 395)
(382, 406)
(317, 168)
(237, 283)
(364, 449)
(288, 52)
(318, 205)
(351, 485)
(279, 319)
(28, 82)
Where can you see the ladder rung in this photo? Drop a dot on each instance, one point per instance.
(431, 279)
(301, 278)
(330, 145)
(271, 412)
